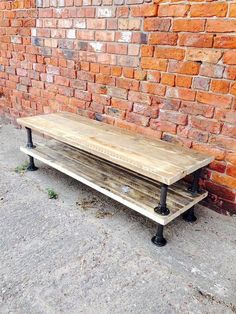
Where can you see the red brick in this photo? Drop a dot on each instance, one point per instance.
(221, 26)
(172, 116)
(147, 51)
(187, 25)
(153, 88)
(218, 166)
(154, 76)
(230, 57)
(225, 42)
(210, 125)
(178, 10)
(232, 10)
(116, 48)
(157, 24)
(128, 72)
(163, 126)
(163, 39)
(196, 40)
(224, 142)
(183, 81)
(139, 97)
(168, 79)
(231, 157)
(199, 109)
(127, 84)
(137, 119)
(121, 104)
(184, 67)
(216, 152)
(209, 9)
(223, 101)
(197, 135)
(212, 70)
(153, 64)
(169, 53)
(144, 10)
(231, 171)
(148, 111)
(229, 130)
(227, 181)
(220, 191)
(220, 86)
(230, 73)
(60, 80)
(203, 55)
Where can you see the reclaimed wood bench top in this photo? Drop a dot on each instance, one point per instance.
(156, 159)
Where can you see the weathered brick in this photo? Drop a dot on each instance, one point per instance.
(173, 10)
(163, 39)
(153, 63)
(152, 88)
(210, 125)
(230, 57)
(211, 70)
(169, 53)
(172, 116)
(184, 67)
(117, 92)
(220, 86)
(225, 42)
(225, 180)
(223, 101)
(148, 111)
(196, 40)
(209, 9)
(224, 142)
(202, 83)
(157, 24)
(221, 26)
(181, 93)
(203, 55)
(144, 10)
(188, 25)
(137, 119)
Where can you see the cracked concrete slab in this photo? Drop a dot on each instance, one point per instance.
(84, 253)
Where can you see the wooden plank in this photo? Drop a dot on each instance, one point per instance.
(156, 159)
(128, 188)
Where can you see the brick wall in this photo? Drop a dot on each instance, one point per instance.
(166, 69)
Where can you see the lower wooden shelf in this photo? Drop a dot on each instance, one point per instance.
(136, 192)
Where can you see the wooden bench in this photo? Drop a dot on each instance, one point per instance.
(139, 172)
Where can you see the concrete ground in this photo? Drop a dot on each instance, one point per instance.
(84, 253)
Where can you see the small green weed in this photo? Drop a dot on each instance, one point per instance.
(21, 169)
(51, 193)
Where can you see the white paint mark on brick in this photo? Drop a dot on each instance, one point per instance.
(97, 46)
(125, 37)
(33, 32)
(106, 12)
(70, 33)
(79, 24)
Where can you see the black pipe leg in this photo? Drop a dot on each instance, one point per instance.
(194, 188)
(29, 139)
(158, 239)
(31, 166)
(189, 215)
(162, 209)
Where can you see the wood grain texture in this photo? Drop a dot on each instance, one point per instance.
(156, 159)
(135, 191)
